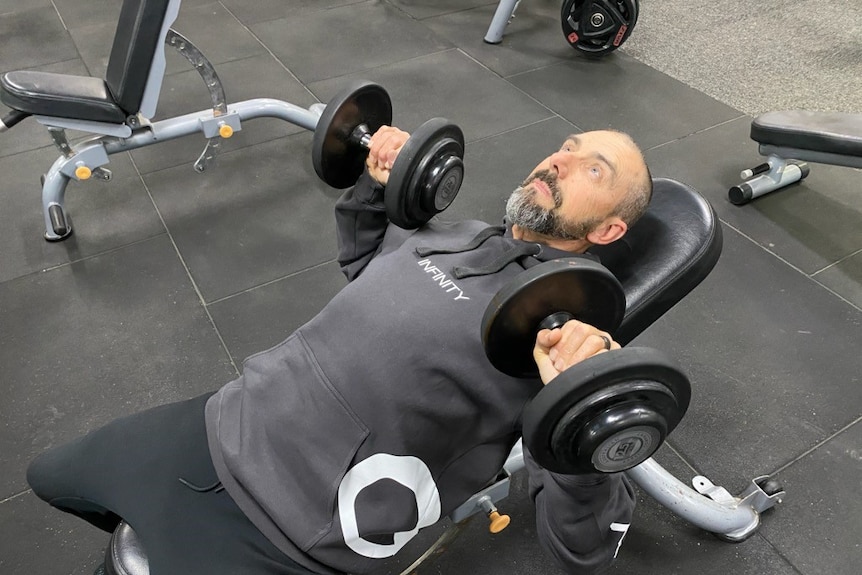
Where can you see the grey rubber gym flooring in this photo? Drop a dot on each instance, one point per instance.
(172, 277)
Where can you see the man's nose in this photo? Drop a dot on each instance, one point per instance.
(559, 162)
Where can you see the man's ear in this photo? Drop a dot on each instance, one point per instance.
(608, 231)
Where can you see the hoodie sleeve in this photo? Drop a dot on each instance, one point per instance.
(581, 520)
(360, 219)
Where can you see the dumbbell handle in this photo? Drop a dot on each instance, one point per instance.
(361, 135)
(555, 320)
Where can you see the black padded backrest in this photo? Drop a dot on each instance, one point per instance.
(665, 255)
(137, 37)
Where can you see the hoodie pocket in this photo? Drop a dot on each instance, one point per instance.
(298, 436)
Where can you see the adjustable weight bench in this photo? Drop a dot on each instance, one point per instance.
(117, 110)
(791, 138)
(665, 255)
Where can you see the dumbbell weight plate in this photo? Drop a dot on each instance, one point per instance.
(596, 27)
(337, 160)
(580, 286)
(427, 174)
(607, 413)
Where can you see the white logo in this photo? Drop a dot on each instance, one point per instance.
(446, 284)
(412, 473)
(620, 528)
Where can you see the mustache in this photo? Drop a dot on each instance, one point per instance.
(550, 179)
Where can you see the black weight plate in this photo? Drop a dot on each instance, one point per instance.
(427, 146)
(624, 377)
(580, 286)
(337, 160)
(597, 27)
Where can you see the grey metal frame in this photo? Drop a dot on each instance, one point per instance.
(502, 16)
(92, 154)
(704, 505)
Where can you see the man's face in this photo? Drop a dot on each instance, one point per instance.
(575, 189)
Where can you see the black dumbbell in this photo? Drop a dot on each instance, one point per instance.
(427, 173)
(605, 414)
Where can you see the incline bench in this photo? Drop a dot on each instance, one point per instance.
(665, 255)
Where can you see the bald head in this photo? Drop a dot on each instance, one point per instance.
(588, 192)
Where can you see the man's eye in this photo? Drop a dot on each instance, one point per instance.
(595, 171)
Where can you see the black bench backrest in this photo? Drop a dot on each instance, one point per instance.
(665, 255)
(136, 40)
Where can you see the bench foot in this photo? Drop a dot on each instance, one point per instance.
(774, 174)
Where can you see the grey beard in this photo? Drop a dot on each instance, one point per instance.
(522, 210)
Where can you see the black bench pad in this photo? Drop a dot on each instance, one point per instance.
(124, 555)
(60, 95)
(826, 132)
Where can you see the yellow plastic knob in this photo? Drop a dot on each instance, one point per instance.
(225, 131)
(498, 522)
(83, 173)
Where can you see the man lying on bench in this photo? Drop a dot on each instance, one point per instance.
(382, 414)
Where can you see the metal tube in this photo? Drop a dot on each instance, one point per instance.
(504, 13)
(691, 505)
(180, 126)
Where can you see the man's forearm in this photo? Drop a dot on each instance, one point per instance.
(360, 219)
(581, 520)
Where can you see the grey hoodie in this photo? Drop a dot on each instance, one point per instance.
(382, 414)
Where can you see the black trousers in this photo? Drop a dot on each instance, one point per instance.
(153, 469)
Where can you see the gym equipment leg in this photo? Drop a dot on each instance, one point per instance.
(505, 12)
(94, 153)
(711, 507)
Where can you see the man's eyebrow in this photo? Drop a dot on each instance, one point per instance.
(603, 159)
(599, 156)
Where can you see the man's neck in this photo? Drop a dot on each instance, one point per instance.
(574, 246)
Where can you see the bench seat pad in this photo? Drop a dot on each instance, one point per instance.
(60, 95)
(827, 132)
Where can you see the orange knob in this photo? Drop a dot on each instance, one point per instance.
(83, 173)
(225, 131)
(498, 522)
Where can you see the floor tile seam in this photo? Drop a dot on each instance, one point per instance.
(60, 16)
(762, 536)
(378, 67)
(270, 282)
(188, 271)
(14, 496)
(267, 49)
(457, 11)
(82, 259)
(816, 446)
(678, 452)
(524, 126)
(69, 32)
(838, 262)
(215, 65)
(699, 131)
(40, 148)
(521, 90)
(791, 266)
(241, 148)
